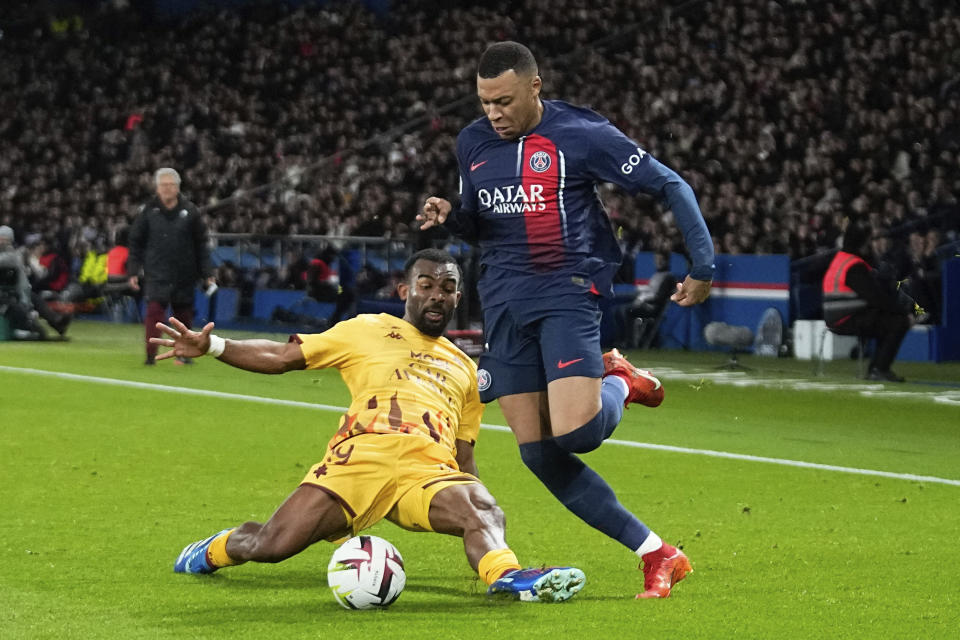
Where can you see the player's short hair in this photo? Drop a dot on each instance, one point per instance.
(433, 255)
(500, 57)
(166, 171)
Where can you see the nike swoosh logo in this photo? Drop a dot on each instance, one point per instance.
(477, 165)
(563, 365)
(651, 378)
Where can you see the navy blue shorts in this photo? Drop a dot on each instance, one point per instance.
(532, 342)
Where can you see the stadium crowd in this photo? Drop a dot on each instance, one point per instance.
(785, 117)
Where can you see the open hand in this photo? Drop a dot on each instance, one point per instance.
(185, 343)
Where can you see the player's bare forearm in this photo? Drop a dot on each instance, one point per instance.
(259, 356)
(263, 356)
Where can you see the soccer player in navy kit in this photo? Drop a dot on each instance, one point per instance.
(529, 172)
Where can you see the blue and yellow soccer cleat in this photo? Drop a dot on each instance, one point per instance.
(193, 558)
(550, 584)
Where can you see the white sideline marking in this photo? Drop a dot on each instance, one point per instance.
(492, 427)
(866, 389)
(163, 387)
(787, 463)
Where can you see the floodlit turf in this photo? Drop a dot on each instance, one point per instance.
(102, 485)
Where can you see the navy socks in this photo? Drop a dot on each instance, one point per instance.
(583, 491)
(591, 435)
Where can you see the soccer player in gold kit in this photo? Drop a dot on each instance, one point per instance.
(404, 449)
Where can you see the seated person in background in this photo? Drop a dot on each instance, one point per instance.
(49, 269)
(857, 302)
(18, 303)
(293, 272)
(228, 275)
(651, 299)
(118, 278)
(117, 258)
(87, 289)
(331, 278)
(370, 280)
(322, 283)
(389, 290)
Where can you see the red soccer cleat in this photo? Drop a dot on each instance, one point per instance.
(645, 388)
(662, 569)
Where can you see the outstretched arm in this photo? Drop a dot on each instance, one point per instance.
(260, 356)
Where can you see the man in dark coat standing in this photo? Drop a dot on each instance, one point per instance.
(168, 243)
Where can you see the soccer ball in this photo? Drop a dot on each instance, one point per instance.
(366, 572)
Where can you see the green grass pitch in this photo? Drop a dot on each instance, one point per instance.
(102, 485)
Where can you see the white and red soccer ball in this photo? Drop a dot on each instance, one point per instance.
(366, 572)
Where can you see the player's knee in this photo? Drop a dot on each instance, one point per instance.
(492, 516)
(485, 512)
(590, 434)
(482, 501)
(582, 439)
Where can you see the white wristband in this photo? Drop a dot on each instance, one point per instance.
(217, 345)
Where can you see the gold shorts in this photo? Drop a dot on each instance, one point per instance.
(394, 476)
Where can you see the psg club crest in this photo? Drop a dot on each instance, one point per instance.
(483, 379)
(540, 161)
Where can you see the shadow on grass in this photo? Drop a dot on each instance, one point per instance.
(299, 596)
(297, 580)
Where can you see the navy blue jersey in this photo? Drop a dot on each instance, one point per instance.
(533, 206)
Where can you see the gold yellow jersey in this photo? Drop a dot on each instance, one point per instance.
(400, 380)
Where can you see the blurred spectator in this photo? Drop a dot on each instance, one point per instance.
(326, 284)
(227, 275)
(649, 304)
(293, 273)
(117, 257)
(15, 305)
(121, 299)
(370, 280)
(783, 117)
(18, 302)
(322, 283)
(389, 290)
(921, 279)
(49, 268)
(88, 285)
